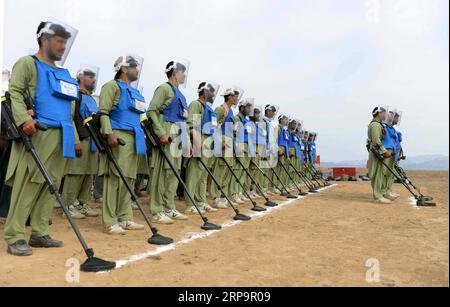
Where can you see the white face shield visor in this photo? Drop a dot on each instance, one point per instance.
(257, 112)
(234, 91)
(381, 109)
(59, 30)
(210, 91)
(180, 69)
(390, 116)
(398, 118)
(91, 72)
(248, 104)
(283, 117)
(269, 109)
(130, 61)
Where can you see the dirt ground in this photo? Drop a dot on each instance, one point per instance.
(322, 240)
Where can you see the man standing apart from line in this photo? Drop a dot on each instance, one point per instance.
(377, 171)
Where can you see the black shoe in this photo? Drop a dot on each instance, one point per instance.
(20, 248)
(44, 242)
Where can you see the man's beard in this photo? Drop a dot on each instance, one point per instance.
(90, 88)
(131, 78)
(53, 57)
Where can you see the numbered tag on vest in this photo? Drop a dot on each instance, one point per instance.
(249, 130)
(214, 121)
(140, 105)
(264, 133)
(68, 89)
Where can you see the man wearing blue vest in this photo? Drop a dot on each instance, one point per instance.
(270, 116)
(80, 172)
(294, 149)
(283, 148)
(390, 142)
(40, 92)
(301, 149)
(202, 122)
(377, 171)
(314, 148)
(245, 149)
(397, 122)
(226, 124)
(168, 112)
(122, 106)
(261, 144)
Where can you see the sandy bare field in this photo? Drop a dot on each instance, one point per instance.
(322, 240)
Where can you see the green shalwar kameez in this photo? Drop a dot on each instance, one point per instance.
(220, 170)
(377, 171)
(244, 157)
(79, 175)
(117, 203)
(30, 193)
(163, 185)
(196, 174)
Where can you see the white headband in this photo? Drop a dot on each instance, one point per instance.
(46, 29)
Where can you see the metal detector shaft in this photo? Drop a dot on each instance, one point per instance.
(266, 176)
(252, 179)
(279, 180)
(309, 183)
(315, 172)
(151, 136)
(238, 180)
(51, 184)
(218, 186)
(381, 159)
(103, 147)
(303, 174)
(290, 177)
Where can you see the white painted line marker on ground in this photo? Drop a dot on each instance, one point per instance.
(413, 203)
(200, 235)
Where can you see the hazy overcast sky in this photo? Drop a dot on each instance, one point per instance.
(327, 62)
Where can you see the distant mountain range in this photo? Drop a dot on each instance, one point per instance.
(422, 163)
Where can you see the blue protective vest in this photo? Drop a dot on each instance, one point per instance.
(389, 141)
(305, 151)
(313, 152)
(228, 125)
(55, 91)
(400, 139)
(177, 110)
(283, 140)
(209, 127)
(243, 135)
(209, 121)
(88, 107)
(310, 145)
(301, 148)
(127, 115)
(294, 143)
(262, 137)
(176, 113)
